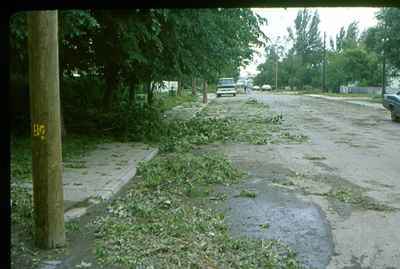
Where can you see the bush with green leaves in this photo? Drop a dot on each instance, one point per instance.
(134, 123)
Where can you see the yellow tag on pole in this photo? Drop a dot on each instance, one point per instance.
(39, 130)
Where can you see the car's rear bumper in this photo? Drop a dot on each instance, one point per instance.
(224, 91)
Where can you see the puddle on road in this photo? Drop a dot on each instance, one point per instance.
(278, 214)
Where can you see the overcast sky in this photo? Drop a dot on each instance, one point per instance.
(332, 19)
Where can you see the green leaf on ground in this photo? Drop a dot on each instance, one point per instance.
(247, 193)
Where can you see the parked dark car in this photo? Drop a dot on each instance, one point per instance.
(392, 103)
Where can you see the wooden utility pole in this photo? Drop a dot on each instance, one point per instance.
(205, 86)
(384, 73)
(44, 82)
(324, 66)
(276, 74)
(61, 70)
(193, 86)
(384, 61)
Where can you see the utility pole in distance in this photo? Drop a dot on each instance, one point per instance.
(276, 74)
(324, 66)
(44, 83)
(384, 61)
(384, 40)
(384, 72)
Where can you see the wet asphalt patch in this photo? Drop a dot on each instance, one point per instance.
(279, 214)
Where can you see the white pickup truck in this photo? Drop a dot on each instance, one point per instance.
(226, 86)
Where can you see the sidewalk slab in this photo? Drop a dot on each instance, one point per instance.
(106, 170)
(350, 100)
(100, 174)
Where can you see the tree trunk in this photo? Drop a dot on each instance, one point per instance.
(111, 79)
(48, 198)
(108, 94)
(205, 88)
(133, 92)
(131, 95)
(149, 93)
(179, 90)
(193, 86)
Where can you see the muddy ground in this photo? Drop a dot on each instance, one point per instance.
(334, 199)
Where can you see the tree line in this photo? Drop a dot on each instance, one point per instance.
(119, 53)
(352, 57)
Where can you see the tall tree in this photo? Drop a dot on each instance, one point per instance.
(340, 37)
(307, 46)
(384, 40)
(347, 38)
(389, 26)
(351, 39)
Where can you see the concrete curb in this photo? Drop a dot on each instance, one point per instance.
(336, 98)
(110, 190)
(129, 174)
(349, 100)
(114, 188)
(361, 103)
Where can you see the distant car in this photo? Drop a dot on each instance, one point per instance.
(392, 103)
(266, 87)
(226, 86)
(256, 88)
(241, 83)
